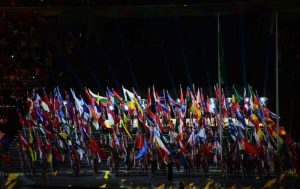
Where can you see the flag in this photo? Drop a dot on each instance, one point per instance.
(118, 99)
(154, 120)
(202, 98)
(99, 99)
(237, 95)
(143, 150)
(148, 98)
(188, 97)
(170, 100)
(124, 123)
(88, 95)
(250, 148)
(127, 93)
(139, 141)
(161, 145)
(181, 100)
(216, 88)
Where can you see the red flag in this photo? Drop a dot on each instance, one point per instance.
(216, 87)
(250, 148)
(207, 104)
(87, 94)
(139, 141)
(148, 99)
(118, 97)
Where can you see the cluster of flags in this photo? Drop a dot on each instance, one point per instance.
(55, 125)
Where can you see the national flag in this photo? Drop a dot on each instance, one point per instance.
(161, 145)
(216, 88)
(179, 127)
(202, 134)
(170, 100)
(192, 140)
(237, 95)
(111, 115)
(202, 98)
(250, 148)
(154, 120)
(127, 93)
(88, 95)
(99, 99)
(207, 105)
(181, 96)
(124, 123)
(148, 98)
(255, 121)
(224, 105)
(139, 141)
(118, 98)
(198, 97)
(188, 97)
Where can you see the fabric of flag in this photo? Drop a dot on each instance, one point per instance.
(154, 120)
(202, 134)
(118, 98)
(181, 96)
(127, 93)
(143, 151)
(99, 99)
(170, 100)
(216, 88)
(255, 121)
(237, 95)
(179, 126)
(139, 141)
(202, 98)
(207, 105)
(250, 148)
(188, 97)
(161, 145)
(88, 95)
(148, 104)
(124, 123)
(192, 140)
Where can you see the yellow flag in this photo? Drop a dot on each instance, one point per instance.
(131, 105)
(138, 106)
(270, 183)
(63, 135)
(124, 122)
(162, 186)
(208, 184)
(49, 158)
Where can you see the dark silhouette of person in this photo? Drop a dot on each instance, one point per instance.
(170, 169)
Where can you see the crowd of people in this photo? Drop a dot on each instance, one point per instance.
(155, 133)
(25, 62)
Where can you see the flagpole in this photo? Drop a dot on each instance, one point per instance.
(277, 85)
(219, 78)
